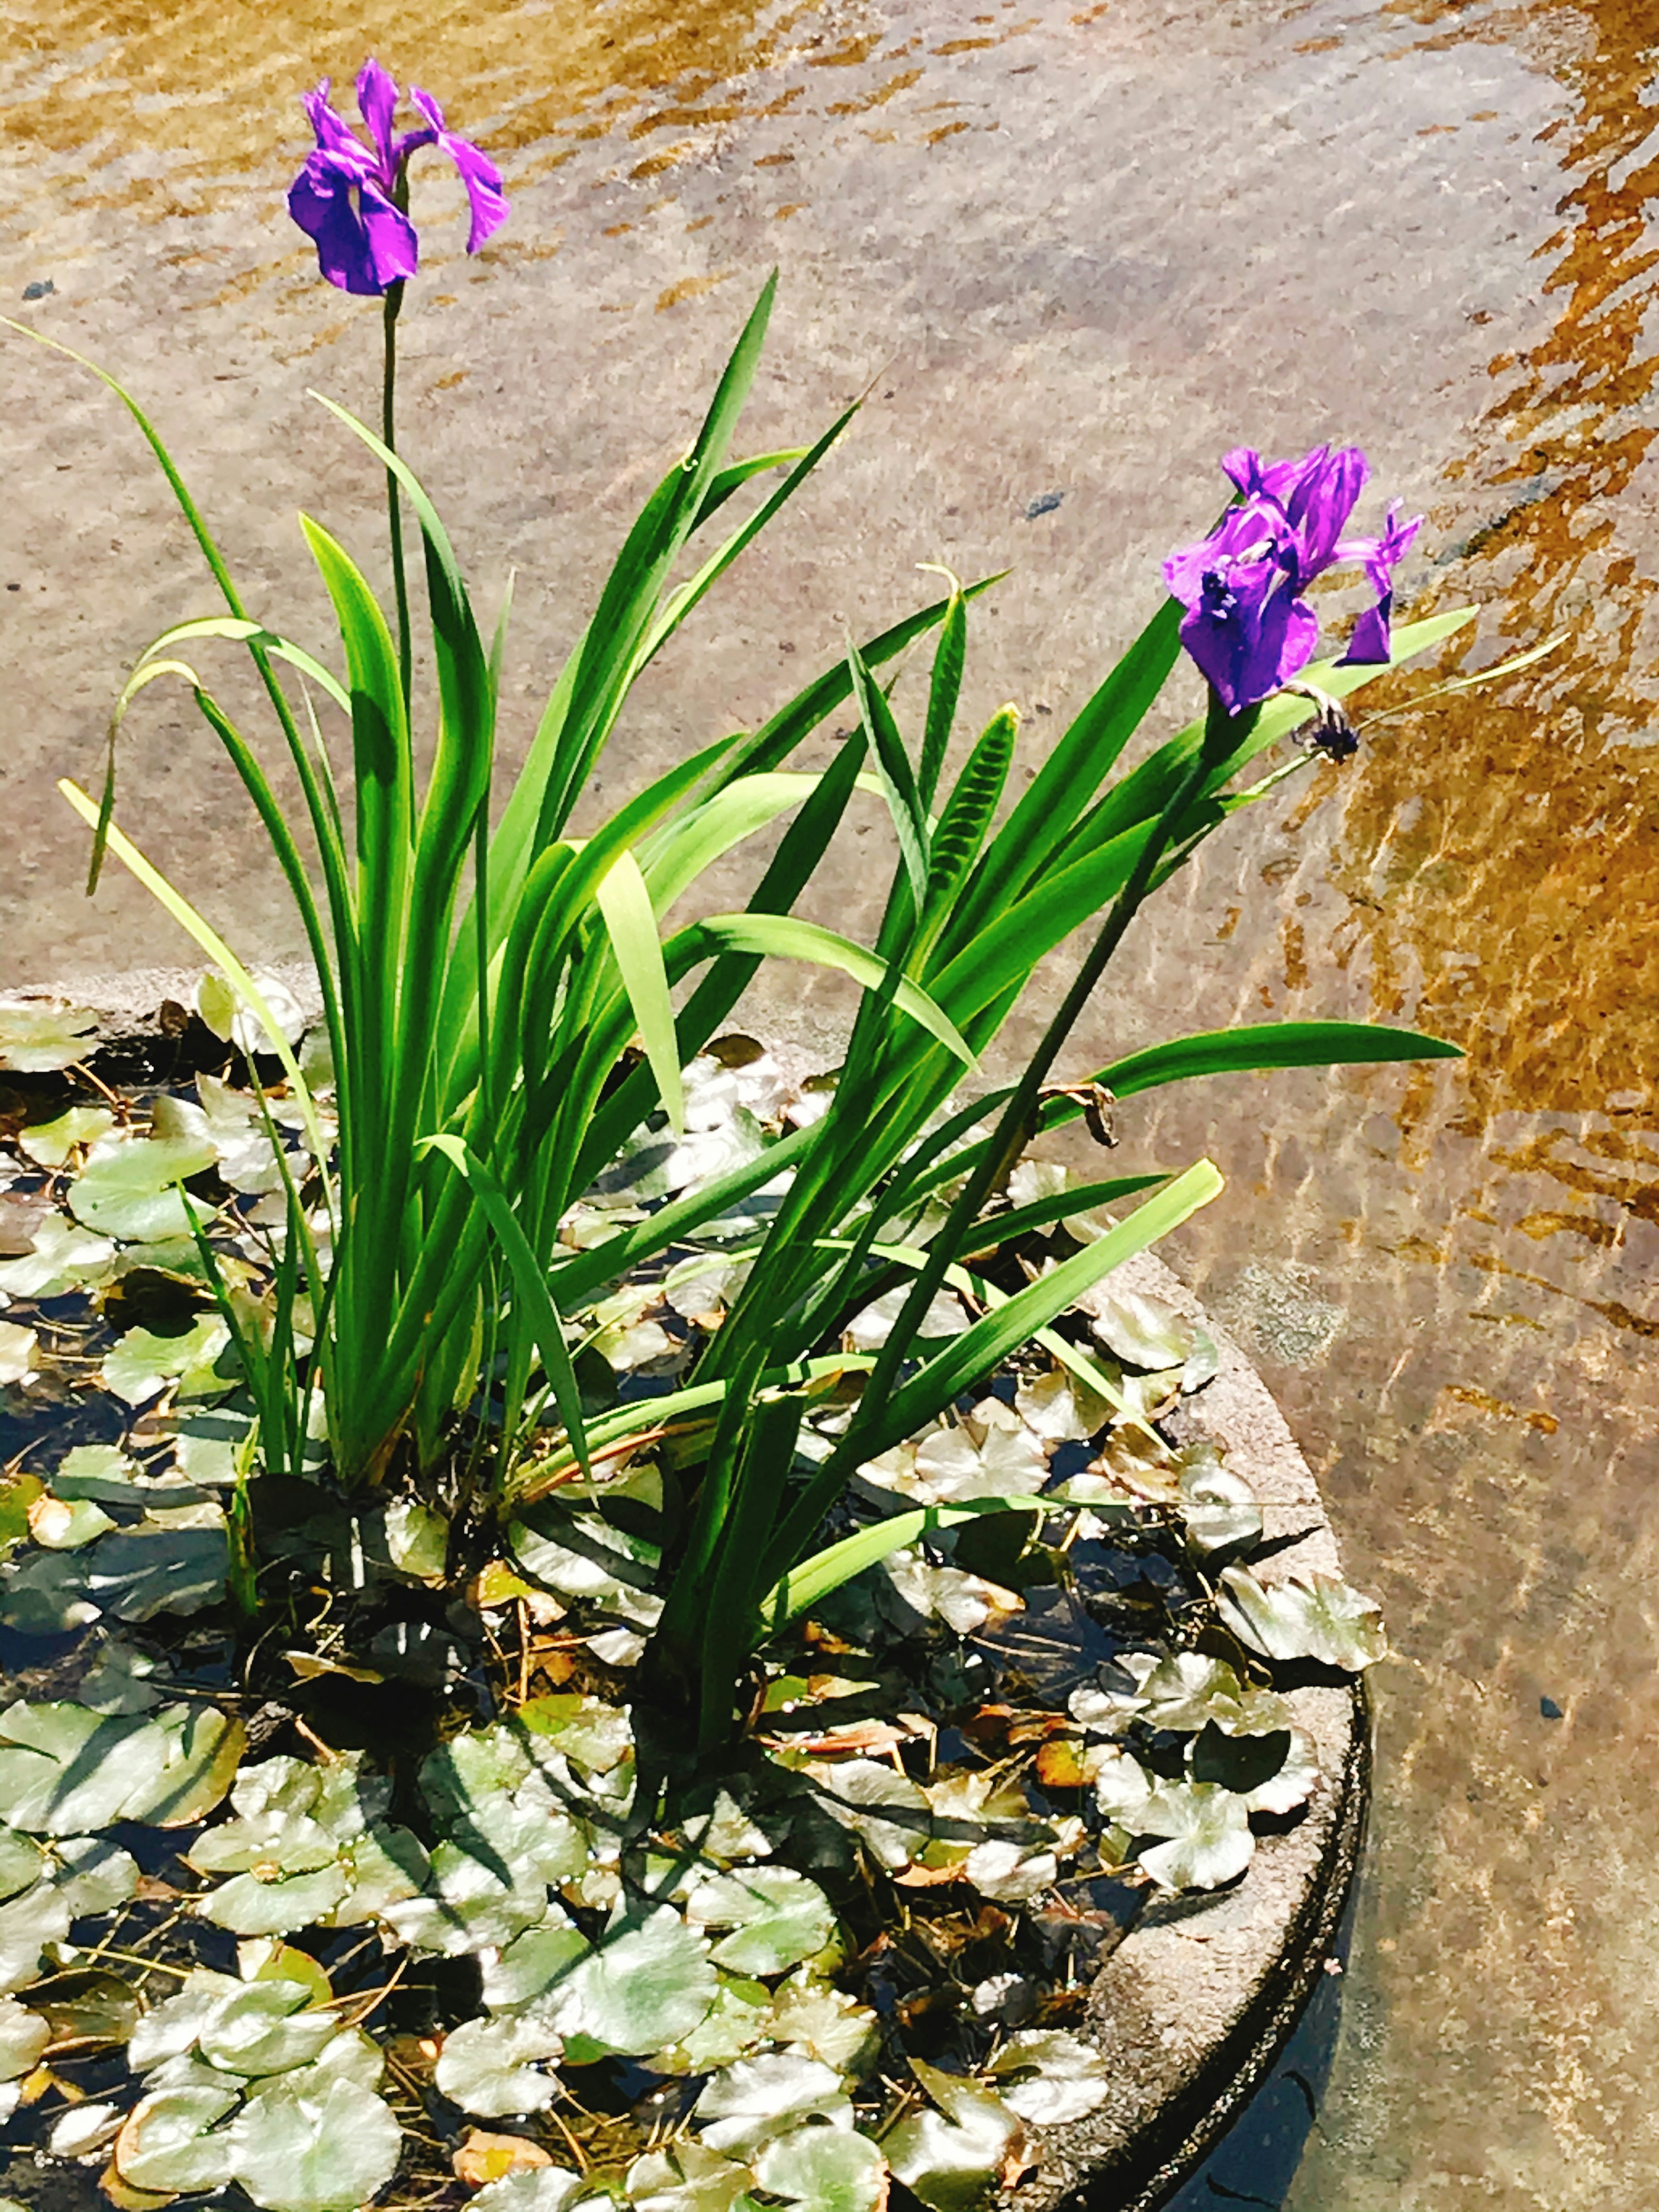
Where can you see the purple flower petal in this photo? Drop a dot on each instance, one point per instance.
(334, 136)
(478, 173)
(377, 100)
(1370, 646)
(363, 243)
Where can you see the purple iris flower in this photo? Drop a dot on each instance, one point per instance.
(1247, 622)
(346, 197)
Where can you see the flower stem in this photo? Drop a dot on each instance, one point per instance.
(393, 306)
(1222, 732)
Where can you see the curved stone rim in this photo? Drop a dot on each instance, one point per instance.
(1194, 2006)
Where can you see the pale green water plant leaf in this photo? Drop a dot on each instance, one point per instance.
(777, 1918)
(489, 2066)
(1312, 1616)
(468, 1906)
(23, 2039)
(169, 2143)
(535, 1966)
(315, 2141)
(740, 2018)
(84, 2128)
(94, 1874)
(63, 1524)
(28, 1922)
(826, 2168)
(262, 1904)
(127, 1188)
(1218, 1508)
(65, 1257)
(887, 1812)
(44, 1595)
(952, 2157)
(140, 1365)
(49, 1144)
(417, 1539)
(686, 2176)
(38, 1036)
(642, 1986)
(756, 2098)
(531, 2189)
(1209, 1835)
(19, 1353)
(1140, 1330)
(1049, 2076)
(21, 1861)
(136, 1573)
(825, 2022)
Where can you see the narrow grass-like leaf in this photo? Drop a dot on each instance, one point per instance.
(897, 779)
(1263, 1045)
(631, 925)
(529, 1284)
(786, 937)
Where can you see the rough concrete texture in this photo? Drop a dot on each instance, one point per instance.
(1192, 2006)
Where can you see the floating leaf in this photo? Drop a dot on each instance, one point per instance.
(27, 1924)
(18, 1347)
(1305, 1616)
(261, 1904)
(126, 1189)
(416, 1539)
(1209, 1831)
(63, 1524)
(740, 2018)
(1143, 1331)
(65, 1770)
(487, 2067)
(953, 2158)
(686, 2176)
(1012, 1873)
(44, 1595)
(1049, 2077)
(249, 2028)
(886, 1811)
(756, 2098)
(825, 2022)
(21, 1861)
(140, 1365)
(829, 2169)
(135, 1573)
(23, 2039)
(94, 1875)
(641, 1987)
(315, 2141)
(535, 2189)
(1218, 1508)
(168, 2144)
(65, 1257)
(39, 1035)
(84, 2128)
(1060, 1408)
(534, 1966)
(777, 1918)
(469, 1905)
(49, 1144)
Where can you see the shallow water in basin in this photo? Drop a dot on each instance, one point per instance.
(1073, 250)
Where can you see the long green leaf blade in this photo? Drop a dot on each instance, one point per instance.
(631, 922)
